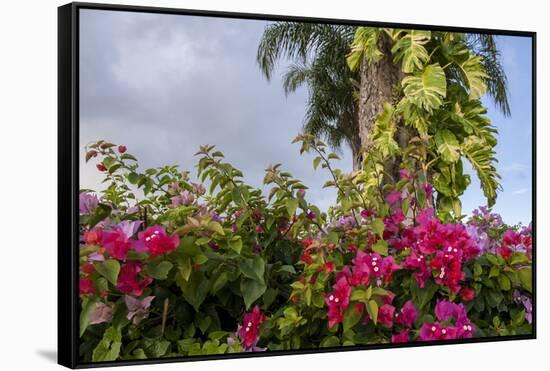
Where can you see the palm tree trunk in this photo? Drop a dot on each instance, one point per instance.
(377, 81)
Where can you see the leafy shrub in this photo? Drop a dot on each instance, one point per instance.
(168, 268)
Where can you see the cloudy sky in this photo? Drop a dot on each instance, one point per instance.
(165, 84)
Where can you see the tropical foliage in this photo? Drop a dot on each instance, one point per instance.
(169, 267)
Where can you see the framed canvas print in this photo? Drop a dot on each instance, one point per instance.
(235, 185)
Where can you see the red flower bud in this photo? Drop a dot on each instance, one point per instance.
(467, 294)
(101, 167)
(121, 149)
(87, 268)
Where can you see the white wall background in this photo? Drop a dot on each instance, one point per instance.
(28, 152)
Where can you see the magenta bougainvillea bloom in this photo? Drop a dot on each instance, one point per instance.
(338, 301)
(404, 174)
(407, 315)
(86, 286)
(249, 330)
(155, 241)
(385, 315)
(394, 197)
(435, 331)
(372, 265)
(129, 281)
(457, 324)
(401, 337)
(116, 243)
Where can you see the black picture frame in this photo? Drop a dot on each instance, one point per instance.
(68, 178)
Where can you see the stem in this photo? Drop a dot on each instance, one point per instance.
(164, 315)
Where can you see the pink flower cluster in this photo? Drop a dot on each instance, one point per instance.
(453, 323)
(249, 331)
(372, 268)
(437, 250)
(338, 301)
(513, 241)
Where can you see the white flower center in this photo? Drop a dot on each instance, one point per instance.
(376, 269)
(336, 300)
(331, 297)
(433, 329)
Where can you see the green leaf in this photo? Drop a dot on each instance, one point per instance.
(447, 146)
(88, 306)
(504, 282)
(378, 226)
(316, 162)
(410, 50)
(372, 309)
(195, 289)
(474, 75)
(351, 317)
(422, 296)
(109, 269)
(253, 268)
(383, 132)
(236, 243)
(216, 227)
(481, 156)
(108, 349)
(426, 89)
(251, 290)
(158, 270)
(330, 342)
(291, 205)
(525, 276)
(109, 161)
(364, 46)
(381, 247)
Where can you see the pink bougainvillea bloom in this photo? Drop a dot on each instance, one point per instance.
(435, 331)
(129, 281)
(137, 309)
(407, 315)
(155, 241)
(93, 236)
(429, 189)
(249, 331)
(87, 202)
(103, 313)
(367, 213)
(328, 267)
(116, 243)
(338, 301)
(385, 315)
(393, 197)
(446, 310)
(86, 286)
(401, 337)
(311, 215)
(387, 268)
(183, 199)
(121, 149)
(404, 174)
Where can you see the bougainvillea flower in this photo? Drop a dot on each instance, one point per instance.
(101, 167)
(129, 281)
(337, 301)
(122, 149)
(116, 243)
(467, 294)
(87, 202)
(129, 228)
(404, 174)
(446, 310)
(137, 309)
(155, 241)
(185, 198)
(372, 265)
(393, 197)
(401, 337)
(249, 331)
(93, 236)
(407, 315)
(86, 286)
(385, 315)
(102, 313)
(435, 331)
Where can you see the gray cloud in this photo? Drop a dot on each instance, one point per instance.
(165, 84)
